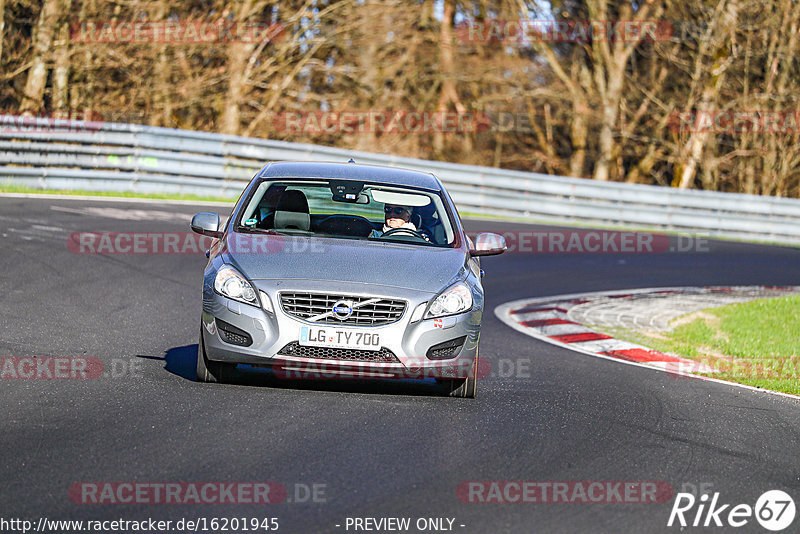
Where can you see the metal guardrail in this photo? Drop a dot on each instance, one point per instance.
(44, 153)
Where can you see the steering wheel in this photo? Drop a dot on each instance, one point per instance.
(409, 231)
(347, 225)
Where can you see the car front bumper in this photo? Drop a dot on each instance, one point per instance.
(272, 331)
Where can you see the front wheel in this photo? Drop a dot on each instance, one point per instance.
(209, 370)
(465, 388)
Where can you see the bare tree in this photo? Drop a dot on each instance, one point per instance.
(46, 28)
(601, 108)
(62, 65)
(718, 42)
(2, 27)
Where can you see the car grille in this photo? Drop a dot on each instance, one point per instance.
(367, 311)
(354, 355)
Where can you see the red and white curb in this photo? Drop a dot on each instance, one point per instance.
(548, 319)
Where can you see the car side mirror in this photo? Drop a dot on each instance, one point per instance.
(488, 244)
(206, 223)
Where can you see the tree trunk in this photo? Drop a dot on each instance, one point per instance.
(697, 140)
(611, 98)
(579, 132)
(237, 68)
(2, 27)
(231, 112)
(61, 69)
(86, 96)
(46, 27)
(448, 93)
(162, 92)
(609, 60)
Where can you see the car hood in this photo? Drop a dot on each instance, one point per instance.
(414, 267)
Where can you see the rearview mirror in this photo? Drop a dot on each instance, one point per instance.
(347, 191)
(206, 223)
(361, 198)
(488, 244)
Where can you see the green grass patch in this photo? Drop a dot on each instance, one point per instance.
(755, 343)
(22, 189)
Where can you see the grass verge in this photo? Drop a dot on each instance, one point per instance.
(755, 343)
(21, 189)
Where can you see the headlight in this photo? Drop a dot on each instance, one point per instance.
(229, 283)
(455, 299)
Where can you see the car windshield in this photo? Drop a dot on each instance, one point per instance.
(348, 209)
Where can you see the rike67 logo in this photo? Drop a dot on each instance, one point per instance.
(774, 510)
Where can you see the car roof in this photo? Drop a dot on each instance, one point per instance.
(351, 171)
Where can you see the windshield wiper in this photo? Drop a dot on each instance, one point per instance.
(251, 230)
(402, 241)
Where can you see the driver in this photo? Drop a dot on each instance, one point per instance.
(395, 217)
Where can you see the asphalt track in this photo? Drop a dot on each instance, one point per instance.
(381, 449)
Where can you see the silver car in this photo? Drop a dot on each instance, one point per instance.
(333, 270)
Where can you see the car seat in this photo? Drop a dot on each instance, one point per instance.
(291, 213)
(426, 221)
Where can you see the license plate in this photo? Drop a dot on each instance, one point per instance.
(336, 338)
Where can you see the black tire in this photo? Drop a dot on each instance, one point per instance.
(209, 370)
(465, 388)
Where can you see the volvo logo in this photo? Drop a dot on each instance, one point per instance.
(342, 309)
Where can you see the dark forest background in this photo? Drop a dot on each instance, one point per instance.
(602, 108)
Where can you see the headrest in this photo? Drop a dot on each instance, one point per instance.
(293, 200)
(292, 211)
